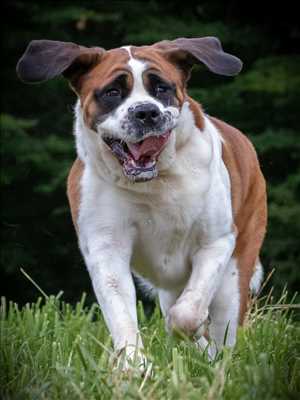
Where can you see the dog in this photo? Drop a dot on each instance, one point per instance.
(159, 189)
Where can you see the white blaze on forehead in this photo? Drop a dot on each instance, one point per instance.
(139, 92)
(137, 67)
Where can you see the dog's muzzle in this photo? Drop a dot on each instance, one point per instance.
(148, 132)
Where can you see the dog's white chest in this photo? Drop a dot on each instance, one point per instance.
(167, 236)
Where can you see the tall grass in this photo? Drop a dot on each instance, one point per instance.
(51, 350)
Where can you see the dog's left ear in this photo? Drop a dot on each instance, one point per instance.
(46, 59)
(207, 50)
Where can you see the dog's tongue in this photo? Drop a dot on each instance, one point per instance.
(149, 147)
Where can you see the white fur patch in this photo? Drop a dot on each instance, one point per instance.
(257, 278)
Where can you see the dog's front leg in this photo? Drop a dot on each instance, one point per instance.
(107, 257)
(190, 312)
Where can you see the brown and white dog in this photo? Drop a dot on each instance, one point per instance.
(159, 188)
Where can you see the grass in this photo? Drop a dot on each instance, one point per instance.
(52, 350)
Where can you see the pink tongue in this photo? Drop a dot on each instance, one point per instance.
(150, 147)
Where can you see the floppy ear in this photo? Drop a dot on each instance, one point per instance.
(207, 50)
(46, 59)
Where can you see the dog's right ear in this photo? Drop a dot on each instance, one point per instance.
(46, 59)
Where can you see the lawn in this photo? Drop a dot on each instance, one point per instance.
(52, 350)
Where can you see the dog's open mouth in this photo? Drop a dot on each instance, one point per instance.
(138, 159)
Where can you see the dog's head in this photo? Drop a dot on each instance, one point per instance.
(131, 97)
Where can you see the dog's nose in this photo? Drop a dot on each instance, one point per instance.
(146, 114)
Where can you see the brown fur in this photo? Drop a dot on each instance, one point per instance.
(157, 62)
(248, 191)
(73, 189)
(112, 64)
(197, 112)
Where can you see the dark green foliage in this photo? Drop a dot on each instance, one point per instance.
(36, 125)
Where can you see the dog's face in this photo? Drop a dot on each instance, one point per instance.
(131, 97)
(133, 106)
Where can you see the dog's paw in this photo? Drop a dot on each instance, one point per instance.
(131, 360)
(188, 319)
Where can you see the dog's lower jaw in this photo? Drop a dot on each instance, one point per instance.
(140, 175)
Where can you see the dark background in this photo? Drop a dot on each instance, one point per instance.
(37, 146)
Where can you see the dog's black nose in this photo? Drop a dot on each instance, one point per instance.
(146, 114)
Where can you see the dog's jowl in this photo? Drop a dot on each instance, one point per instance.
(159, 188)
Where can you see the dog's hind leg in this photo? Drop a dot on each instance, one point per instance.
(224, 309)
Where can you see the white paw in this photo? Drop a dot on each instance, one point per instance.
(131, 359)
(210, 348)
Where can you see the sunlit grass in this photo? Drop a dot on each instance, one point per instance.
(51, 350)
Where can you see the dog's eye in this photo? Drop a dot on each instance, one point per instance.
(112, 92)
(162, 88)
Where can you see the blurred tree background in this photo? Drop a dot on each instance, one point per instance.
(37, 146)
